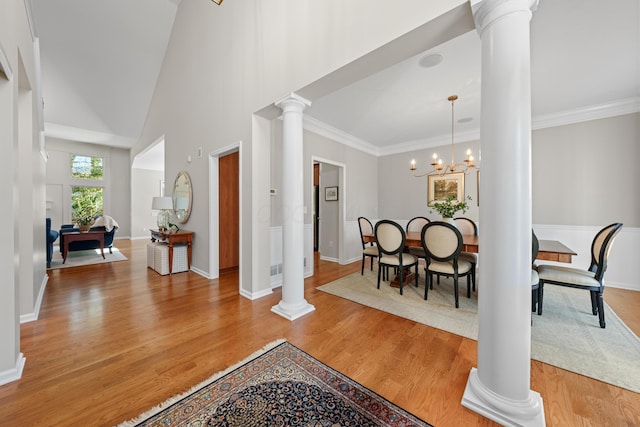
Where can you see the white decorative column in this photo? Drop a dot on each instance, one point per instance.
(499, 388)
(293, 304)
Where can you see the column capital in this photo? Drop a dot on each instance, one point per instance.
(486, 12)
(292, 101)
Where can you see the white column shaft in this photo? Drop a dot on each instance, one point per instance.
(502, 379)
(293, 303)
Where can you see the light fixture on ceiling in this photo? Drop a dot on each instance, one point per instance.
(437, 165)
(218, 2)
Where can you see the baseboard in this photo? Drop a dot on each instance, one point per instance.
(330, 259)
(30, 317)
(15, 373)
(255, 295)
(200, 272)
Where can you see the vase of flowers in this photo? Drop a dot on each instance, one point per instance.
(448, 208)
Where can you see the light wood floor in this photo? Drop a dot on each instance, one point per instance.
(115, 339)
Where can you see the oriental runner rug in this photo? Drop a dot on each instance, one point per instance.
(567, 335)
(281, 386)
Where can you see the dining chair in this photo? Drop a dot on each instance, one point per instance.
(591, 279)
(391, 240)
(469, 227)
(535, 279)
(369, 249)
(415, 225)
(442, 243)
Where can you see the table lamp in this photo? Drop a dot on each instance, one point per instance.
(164, 205)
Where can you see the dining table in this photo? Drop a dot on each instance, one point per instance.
(550, 250)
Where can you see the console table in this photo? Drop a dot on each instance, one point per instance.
(172, 238)
(77, 236)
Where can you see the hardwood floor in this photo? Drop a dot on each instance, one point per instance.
(115, 339)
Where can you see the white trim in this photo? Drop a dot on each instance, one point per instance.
(30, 317)
(255, 295)
(15, 373)
(342, 200)
(214, 209)
(28, 7)
(328, 258)
(593, 112)
(5, 66)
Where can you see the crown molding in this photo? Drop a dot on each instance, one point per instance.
(619, 107)
(69, 133)
(611, 109)
(323, 129)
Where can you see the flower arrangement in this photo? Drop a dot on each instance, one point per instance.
(449, 207)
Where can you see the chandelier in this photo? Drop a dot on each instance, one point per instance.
(437, 165)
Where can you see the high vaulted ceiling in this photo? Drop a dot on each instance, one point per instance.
(100, 61)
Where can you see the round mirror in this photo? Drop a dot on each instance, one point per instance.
(182, 196)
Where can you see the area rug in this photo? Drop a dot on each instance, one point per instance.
(567, 335)
(88, 257)
(279, 385)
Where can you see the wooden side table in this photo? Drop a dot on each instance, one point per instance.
(172, 238)
(77, 236)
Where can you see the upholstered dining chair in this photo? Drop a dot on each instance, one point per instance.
(415, 225)
(369, 249)
(442, 243)
(391, 240)
(591, 279)
(468, 226)
(535, 280)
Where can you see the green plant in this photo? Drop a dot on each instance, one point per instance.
(86, 204)
(449, 207)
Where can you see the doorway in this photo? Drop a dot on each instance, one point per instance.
(328, 201)
(229, 225)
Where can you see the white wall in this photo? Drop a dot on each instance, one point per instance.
(146, 184)
(19, 132)
(209, 87)
(116, 181)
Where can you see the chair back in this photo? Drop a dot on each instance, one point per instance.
(365, 228)
(466, 226)
(390, 237)
(601, 247)
(416, 224)
(535, 247)
(441, 241)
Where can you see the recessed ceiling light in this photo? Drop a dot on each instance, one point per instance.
(465, 120)
(430, 60)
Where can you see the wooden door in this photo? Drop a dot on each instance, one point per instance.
(228, 178)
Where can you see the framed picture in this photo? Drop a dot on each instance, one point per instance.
(441, 187)
(330, 194)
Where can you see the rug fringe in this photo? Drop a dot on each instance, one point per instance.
(153, 411)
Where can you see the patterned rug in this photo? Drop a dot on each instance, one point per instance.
(280, 386)
(86, 257)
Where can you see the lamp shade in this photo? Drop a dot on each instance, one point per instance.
(160, 203)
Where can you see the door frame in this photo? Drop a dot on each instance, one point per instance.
(214, 209)
(342, 202)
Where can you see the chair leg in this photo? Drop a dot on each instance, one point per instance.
(601, 309)
(401, 279)
(371, 268)
(416, 275)
(379, 270)
(428, 278)
(473, 276)
(534, 300)
(362, 268)
(540, 297)
(455, 288)
(594, 302)
(469, 286)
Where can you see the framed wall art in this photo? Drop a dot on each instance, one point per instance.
(330, 194)
(443, 186)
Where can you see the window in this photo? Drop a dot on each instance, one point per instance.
(86, 167)
(86, 203)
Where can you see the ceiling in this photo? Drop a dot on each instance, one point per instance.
(100, 61)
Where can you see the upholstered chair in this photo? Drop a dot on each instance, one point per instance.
(591, 279)
(369, 249)
(469, 227)
(415, 225)
(442, 243)
(391, 240)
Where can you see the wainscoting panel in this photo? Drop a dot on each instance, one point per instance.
(276, 254)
